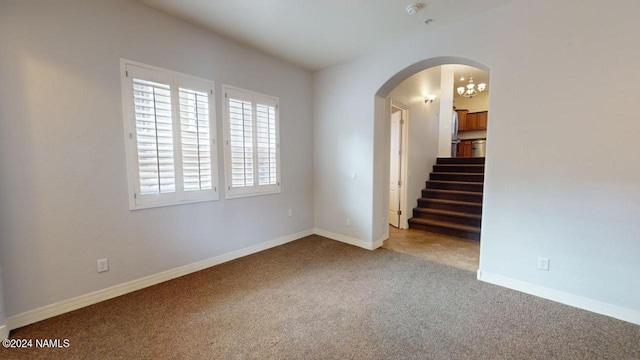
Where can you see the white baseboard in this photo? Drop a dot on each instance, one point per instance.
(4, 332)
(599, 307)
(349, 240)
(380, 241)
(81, 301)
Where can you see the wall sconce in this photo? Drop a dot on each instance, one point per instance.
(429, 98)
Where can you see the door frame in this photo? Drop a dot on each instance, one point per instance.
(404, 163)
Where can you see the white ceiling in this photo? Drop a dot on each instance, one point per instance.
(317, 34)
(479, 76)
(419, 85)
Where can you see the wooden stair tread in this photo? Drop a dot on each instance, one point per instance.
(461, 165)
(453, 202)
(445, 224)
(461, 192)
(456, 182)
(460, 160)
(456, 173)
(447, 212)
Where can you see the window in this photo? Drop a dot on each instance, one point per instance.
(252, 143)
(170, 131)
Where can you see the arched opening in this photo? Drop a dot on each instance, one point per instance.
(407, 72)
(444, 212)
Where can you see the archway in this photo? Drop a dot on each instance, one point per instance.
(382, 126)
(405, 73)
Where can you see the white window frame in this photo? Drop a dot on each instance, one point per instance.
(129, 69)
(255, 99)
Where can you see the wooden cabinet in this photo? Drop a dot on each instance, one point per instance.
(482, 120)
(462, 119)
(472, 121)
(464, 148)
(467, 148)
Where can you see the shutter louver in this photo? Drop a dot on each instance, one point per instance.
(266, 142)
(195, 136)
(241, 143)
(154, 137)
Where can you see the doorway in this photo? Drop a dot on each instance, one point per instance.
(397, 164)
(425, 145)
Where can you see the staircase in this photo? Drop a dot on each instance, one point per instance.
(452, 202)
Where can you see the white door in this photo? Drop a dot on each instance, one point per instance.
(394, 175)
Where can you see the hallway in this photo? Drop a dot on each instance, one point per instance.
(449, 250)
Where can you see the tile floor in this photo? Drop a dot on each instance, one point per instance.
(449, 250)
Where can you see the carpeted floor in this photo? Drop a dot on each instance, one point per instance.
(319, 299)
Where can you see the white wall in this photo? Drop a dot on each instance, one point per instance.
(446, 111)
(561, 180)
(477, 103)
(340, 148)
(422, 142)
(63, 189)
(4, 330)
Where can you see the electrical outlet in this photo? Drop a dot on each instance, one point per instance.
(290, 212)
(354, 175)
(543, 264)
(348, 222)
(103, 265)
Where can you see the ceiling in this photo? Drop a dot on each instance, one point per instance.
(479, 76)
(415, 88)
(318, 34)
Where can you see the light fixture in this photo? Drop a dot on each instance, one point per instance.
(429, 98)
(470, 90)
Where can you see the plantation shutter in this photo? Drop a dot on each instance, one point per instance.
(195, 139)
(266, 140)
(154, 136)
(240, 141)
(252, 149)
(170, 132)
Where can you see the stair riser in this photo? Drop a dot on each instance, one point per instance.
(459, 168)
(477, 198)
(457, 177)
(445, 231)
(451, 207)
(477, 160)
(449, 218)
(453, 186)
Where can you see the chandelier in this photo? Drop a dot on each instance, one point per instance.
(470, 90)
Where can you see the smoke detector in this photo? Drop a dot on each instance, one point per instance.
(413, 8)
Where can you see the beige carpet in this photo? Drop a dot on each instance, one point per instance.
(319, 299)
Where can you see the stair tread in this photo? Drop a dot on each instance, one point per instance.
(447, 212)
(457, 173)
(454, 191)
(445, 224)
(455, 202)
(456, 182)
(461, 160)
(461, 165)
